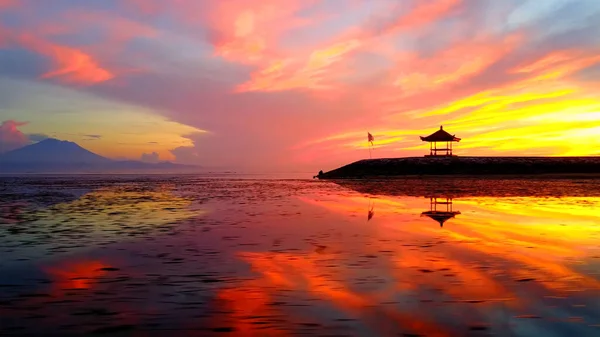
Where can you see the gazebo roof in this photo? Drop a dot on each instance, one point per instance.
(440, 136)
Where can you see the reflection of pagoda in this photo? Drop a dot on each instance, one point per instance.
(442, 214)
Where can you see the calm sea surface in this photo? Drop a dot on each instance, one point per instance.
(193, 256)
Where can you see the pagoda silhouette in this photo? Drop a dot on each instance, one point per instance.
(440, 136)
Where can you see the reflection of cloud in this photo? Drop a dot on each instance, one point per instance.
(526, 233)
(113, 204)
(76, 275)
(456, 187)
(305, 272)
(120, 212)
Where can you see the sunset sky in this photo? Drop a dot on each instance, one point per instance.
(297, 84)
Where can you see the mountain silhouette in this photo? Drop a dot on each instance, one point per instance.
(53, 151)
(59, 156)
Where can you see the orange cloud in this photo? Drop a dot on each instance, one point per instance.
(558, 65)
(73, 65)
(315, 69)
(452, 65)
(427, 11)
(287, 74)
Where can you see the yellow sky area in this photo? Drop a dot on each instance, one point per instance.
(110, 128)
(556, 122)
(544, 113)
(154, 134)
(125, 134)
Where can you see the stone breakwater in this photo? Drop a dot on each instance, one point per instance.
(394, 167)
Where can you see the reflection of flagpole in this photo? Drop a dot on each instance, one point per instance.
(371, 212)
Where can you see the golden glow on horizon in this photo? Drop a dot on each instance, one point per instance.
(543, 113)
(552, 120)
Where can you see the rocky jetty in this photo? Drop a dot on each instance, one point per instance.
(477, 166)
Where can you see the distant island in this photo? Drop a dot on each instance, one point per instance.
(442, 161)
(58, 156)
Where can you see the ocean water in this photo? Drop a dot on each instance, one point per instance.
(246, 256)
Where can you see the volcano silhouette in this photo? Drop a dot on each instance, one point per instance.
(53, 155)
(53, 151)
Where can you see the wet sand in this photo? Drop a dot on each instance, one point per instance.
(187, 256)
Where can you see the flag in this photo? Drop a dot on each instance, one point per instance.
(370, 138)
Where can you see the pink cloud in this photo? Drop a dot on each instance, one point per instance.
(457, 63)
(11, 137)
(76, 64)
(318, 68)
(247, 30)
(400, 18)
(7, 3)
(72, 65)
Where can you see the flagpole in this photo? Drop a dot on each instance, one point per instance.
(370, 155)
